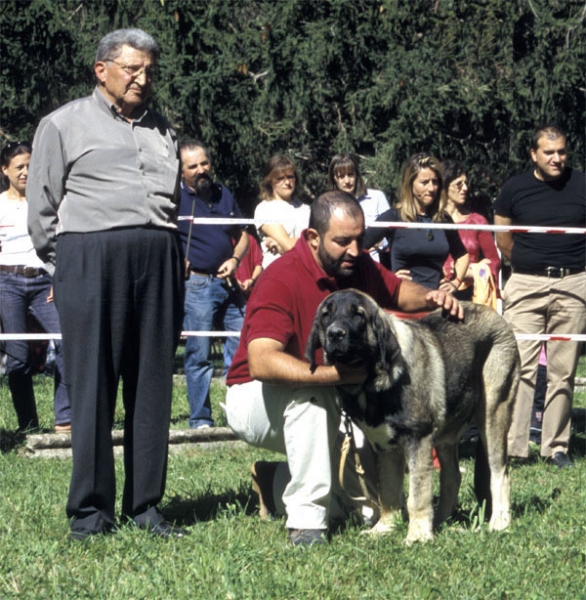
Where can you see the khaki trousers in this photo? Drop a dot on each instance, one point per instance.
(545, 305)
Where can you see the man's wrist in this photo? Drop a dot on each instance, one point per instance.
(236, 259)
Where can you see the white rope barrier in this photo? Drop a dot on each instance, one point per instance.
(542, 337)
(404, 225)
(390, 224)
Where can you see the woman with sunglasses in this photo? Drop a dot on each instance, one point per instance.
(25, 288)
(280, 217)
(480, 245)
(419, 254)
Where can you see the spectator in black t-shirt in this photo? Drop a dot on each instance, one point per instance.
(546, 293)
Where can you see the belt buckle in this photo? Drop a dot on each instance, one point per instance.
(30, 272)
(556, 272)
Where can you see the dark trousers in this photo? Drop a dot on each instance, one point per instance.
(120, 297)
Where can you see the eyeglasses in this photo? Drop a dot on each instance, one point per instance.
(135, 71)
(11, 149)
(425, 162)
(459, 184)
(12, 145)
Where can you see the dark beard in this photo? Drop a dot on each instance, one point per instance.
(333, 267)
(203, 185)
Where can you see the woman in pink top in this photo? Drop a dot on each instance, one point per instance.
(479, 244)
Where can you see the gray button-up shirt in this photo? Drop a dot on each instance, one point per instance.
(92, 170)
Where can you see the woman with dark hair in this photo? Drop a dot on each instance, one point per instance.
(479, 244)
(344, 175)
(25, 288)
(280, 217)
(419, 254)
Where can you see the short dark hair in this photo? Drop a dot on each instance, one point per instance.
(192, 144)
(324, 205)
(110, 45)
(551, 130)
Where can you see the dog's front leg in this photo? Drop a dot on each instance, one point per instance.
(420, 502)
(450, 479)
(391, 472)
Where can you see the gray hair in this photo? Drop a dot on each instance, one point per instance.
(111, 44)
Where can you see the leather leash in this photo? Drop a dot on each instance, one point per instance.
(350, 445)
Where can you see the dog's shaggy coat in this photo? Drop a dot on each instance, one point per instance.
(426, 381)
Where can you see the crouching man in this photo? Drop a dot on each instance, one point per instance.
(274, 401)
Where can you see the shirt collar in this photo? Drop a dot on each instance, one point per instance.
(113, 110)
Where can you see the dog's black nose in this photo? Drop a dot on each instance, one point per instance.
(335, 334)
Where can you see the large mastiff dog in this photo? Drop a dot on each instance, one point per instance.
(426, 380)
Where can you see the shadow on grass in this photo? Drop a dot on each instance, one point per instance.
(10, 440)
(207, 506)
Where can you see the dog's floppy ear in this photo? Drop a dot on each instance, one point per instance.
(390, 359)
(314, 340)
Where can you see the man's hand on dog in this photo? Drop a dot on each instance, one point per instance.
(441, 299)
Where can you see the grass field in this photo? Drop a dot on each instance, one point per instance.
(232, 554)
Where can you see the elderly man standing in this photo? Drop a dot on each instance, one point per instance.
(103, 197)
(212, 294)
(546, 294)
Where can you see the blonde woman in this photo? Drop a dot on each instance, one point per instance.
(419, 254)
(280, 217)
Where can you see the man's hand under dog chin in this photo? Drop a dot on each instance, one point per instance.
(441, 299)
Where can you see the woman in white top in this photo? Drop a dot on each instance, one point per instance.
(344, 175)
(25, 289)
(280, 217)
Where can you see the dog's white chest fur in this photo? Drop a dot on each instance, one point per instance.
(382, 437)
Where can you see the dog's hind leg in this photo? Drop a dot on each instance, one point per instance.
(501, 378)
(420, 501)
(450, 479)
(495, 441)
(391, 473)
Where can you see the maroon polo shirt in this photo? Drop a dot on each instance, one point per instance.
(287, 294)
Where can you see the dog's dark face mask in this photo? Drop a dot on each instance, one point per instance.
(349, 327)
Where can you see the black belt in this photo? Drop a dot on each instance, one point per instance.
(22, 270)
(549, 271)
(202, 273)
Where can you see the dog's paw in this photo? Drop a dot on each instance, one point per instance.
(499, 521)
(382, 528)
(419, 532)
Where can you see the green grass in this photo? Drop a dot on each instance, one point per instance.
(232, 554)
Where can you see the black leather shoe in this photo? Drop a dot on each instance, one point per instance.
(163, 529)
(560, 460)
(81, 532)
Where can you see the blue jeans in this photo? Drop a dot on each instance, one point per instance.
(209, 302)
(20, 295)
